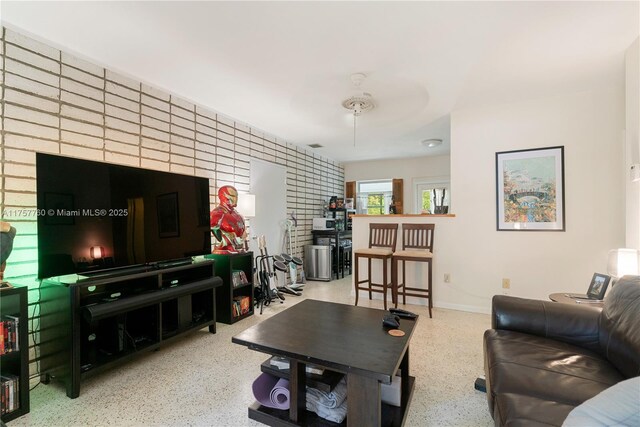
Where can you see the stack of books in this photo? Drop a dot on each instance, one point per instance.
(9, 393)
(239, 278)
(241, 305)
(9, 327)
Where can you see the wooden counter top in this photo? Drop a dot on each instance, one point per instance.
(404, 215)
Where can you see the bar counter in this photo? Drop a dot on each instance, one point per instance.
(404, 215)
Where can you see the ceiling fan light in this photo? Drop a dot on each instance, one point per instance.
(359, 104)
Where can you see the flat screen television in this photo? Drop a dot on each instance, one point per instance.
(94, 216)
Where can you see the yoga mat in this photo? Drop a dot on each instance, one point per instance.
(272, 392)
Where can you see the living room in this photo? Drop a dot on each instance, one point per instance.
(536, 75)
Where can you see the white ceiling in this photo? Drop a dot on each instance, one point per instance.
(284, 67)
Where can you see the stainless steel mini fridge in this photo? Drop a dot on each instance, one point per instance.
(317, 262)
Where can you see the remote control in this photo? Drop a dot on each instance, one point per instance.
(403, 313)
(391, 321)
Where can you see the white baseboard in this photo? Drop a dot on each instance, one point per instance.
(436, 304)
(462, 307)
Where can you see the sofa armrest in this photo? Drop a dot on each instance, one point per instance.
(573, 324)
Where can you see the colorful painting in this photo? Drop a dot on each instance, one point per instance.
(530, 189)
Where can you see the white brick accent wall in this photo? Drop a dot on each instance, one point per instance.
(57, 103)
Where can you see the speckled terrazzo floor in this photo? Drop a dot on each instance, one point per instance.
(205, 380)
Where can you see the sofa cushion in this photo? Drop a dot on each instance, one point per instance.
(544, 368)
(618, 405)
(374, 251)
(619, 331)
(515, 410)
(576, 324)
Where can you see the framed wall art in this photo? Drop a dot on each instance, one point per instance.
(530, 189)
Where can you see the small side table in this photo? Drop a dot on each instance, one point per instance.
(564, 299)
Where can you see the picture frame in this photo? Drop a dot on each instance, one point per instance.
(530, 190)
(168, 215)
(598, 286)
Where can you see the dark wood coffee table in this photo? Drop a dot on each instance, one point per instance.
(341, 338)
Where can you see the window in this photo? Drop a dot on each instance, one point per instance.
(426, 201)
(432, 195)
(375, 204)
(374, 197)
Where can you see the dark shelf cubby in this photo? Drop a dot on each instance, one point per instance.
(13, 302)
(225, 266)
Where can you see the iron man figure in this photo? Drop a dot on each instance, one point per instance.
(227, 225)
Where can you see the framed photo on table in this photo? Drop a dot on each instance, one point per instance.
(530, 190)
(598, 286)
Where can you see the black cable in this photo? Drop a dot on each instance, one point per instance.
(35, 329)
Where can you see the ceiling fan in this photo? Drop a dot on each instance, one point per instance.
(360, 102)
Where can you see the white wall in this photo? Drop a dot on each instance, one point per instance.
(468, 247)
(407, 169)
(589, 125)
(632, 128)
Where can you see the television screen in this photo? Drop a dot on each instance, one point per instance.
(95, 216)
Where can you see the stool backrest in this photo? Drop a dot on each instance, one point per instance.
(383, 236)
(418, 236)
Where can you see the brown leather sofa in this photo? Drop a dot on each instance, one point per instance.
(542, 359)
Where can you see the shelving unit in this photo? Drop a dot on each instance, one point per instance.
(225, 294)
(89, 324)
(334, 239)
(13, 302)
(390, 415)
(341, 217)
(325, 382)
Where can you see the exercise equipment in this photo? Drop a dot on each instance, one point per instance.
(267, 291)
(282, 266)
(279, 264)
(289, 242)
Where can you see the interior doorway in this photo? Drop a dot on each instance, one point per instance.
(269, 184)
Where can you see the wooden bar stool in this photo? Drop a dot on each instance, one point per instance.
(382, 243)
(417, 245)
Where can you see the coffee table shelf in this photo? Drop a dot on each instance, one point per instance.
(392, 416)
(325, 382)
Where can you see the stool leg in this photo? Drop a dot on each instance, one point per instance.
(369, 277)
(430, 291)
(357, 279)
(394, 281)
(404, 283)
(384, 281)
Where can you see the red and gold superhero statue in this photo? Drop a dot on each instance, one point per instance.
(227, 225)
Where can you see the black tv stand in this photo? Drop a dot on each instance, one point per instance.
(117, 271)
(91, 324)
(172, 263)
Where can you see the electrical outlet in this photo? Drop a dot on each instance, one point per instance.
(447, 277)
(506, 283)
